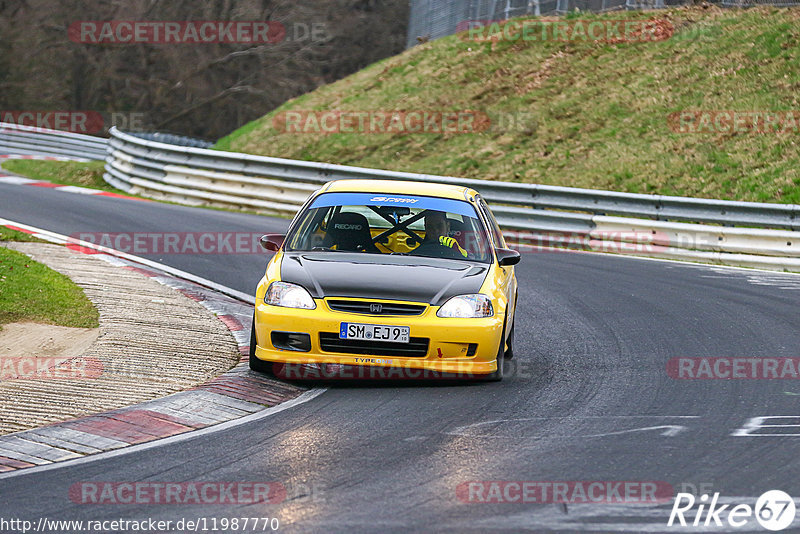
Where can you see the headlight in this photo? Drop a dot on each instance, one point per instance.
(468, 306)
(289, 296)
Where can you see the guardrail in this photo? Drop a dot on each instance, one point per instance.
(531, 215)
(30, 141)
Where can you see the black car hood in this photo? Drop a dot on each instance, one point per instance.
(376, 276)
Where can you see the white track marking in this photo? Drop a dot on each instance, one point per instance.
(472, 430)
(60, 239)
(16, 180)
(788, 281)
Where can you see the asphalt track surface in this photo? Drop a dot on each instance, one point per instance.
(587, 398)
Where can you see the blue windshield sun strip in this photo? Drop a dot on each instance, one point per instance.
(459, 207)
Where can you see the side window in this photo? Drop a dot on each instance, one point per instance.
(311, 230)
(497, 235)
(474, 239)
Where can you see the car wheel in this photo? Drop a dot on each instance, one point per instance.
(510, 342)
(255, 364)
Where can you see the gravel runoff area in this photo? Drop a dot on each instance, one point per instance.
(153, 341)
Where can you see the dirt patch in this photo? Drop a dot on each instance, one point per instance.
(535, 78)
(33, 340)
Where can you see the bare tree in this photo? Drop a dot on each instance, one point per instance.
(203, 90)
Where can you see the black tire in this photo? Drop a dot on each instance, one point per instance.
(255, 364)
(510, 342)
(510, 339)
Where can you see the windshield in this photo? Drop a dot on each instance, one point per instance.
(391, 224)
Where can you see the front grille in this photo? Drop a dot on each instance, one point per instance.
(417, 347)
(367, 308)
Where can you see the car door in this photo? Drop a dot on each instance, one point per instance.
(508, 279)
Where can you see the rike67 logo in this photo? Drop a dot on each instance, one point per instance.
(774, 510)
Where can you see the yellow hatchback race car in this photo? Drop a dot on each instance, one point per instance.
(387, 279)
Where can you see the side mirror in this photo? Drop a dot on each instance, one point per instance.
(272, 242)
(507, 257)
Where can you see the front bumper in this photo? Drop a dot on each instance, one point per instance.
(455, 346)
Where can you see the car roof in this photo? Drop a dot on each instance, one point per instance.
(397, 187)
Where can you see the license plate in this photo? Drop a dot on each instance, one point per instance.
(374, 332)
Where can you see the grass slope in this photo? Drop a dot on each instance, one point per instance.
(83, 174)
(7, 234)
(30, 291)
(600, 109)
